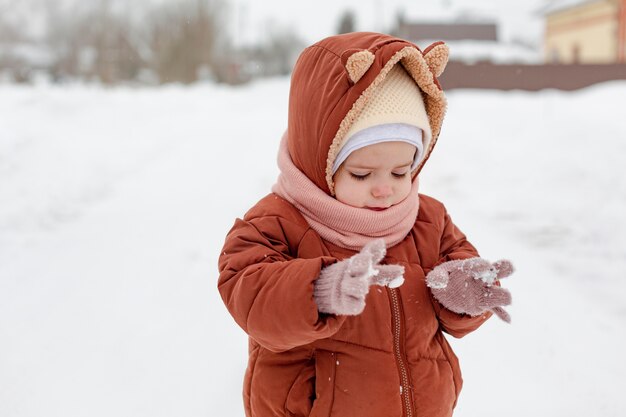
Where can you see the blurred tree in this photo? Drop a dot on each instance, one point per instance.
(397, 29)
(18, 52)
(274, 55)
(116, 40)
(94, 42)
(115, 56)
(283, 47)
(13, 14)
(182, 38)
(347, 22)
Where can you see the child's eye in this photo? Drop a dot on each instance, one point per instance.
(399, 175)
(359, 177)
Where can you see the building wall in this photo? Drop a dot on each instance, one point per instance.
(586, 34)
(621, 49)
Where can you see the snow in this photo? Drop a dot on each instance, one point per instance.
(560, 5)
(396, 282)
(114, 204)
(488, 277)
(474, 51)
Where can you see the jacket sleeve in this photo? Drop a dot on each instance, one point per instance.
(269, 293)
(453, 246)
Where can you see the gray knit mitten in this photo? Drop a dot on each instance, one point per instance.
(341, 287)
(467, 286)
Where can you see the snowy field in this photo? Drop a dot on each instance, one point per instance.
(114, 205)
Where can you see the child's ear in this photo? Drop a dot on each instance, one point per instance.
(436, 56)
(357, 62)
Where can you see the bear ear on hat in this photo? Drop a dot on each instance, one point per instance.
(436, 56)
(357, 62)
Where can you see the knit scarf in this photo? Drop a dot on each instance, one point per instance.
(343, 225)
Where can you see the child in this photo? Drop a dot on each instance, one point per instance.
(345, 277)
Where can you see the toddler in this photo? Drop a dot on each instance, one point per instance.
(345, 277)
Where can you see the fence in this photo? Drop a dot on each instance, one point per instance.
(528, 77)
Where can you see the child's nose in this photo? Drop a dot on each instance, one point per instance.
(382, 190)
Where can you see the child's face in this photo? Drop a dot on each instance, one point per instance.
(376, 176)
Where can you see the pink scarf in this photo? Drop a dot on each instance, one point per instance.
(341, 224)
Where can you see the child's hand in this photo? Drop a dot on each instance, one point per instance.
(342, 287)
(466, 286)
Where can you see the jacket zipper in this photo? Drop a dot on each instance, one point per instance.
(405, 388)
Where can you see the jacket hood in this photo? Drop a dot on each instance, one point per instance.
(332, 81)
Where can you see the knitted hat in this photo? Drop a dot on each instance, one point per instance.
(395, 112)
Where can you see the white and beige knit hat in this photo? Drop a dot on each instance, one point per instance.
(395, 112)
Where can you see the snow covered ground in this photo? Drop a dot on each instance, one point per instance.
(114, 204)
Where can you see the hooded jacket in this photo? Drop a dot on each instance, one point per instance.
(392, 360)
